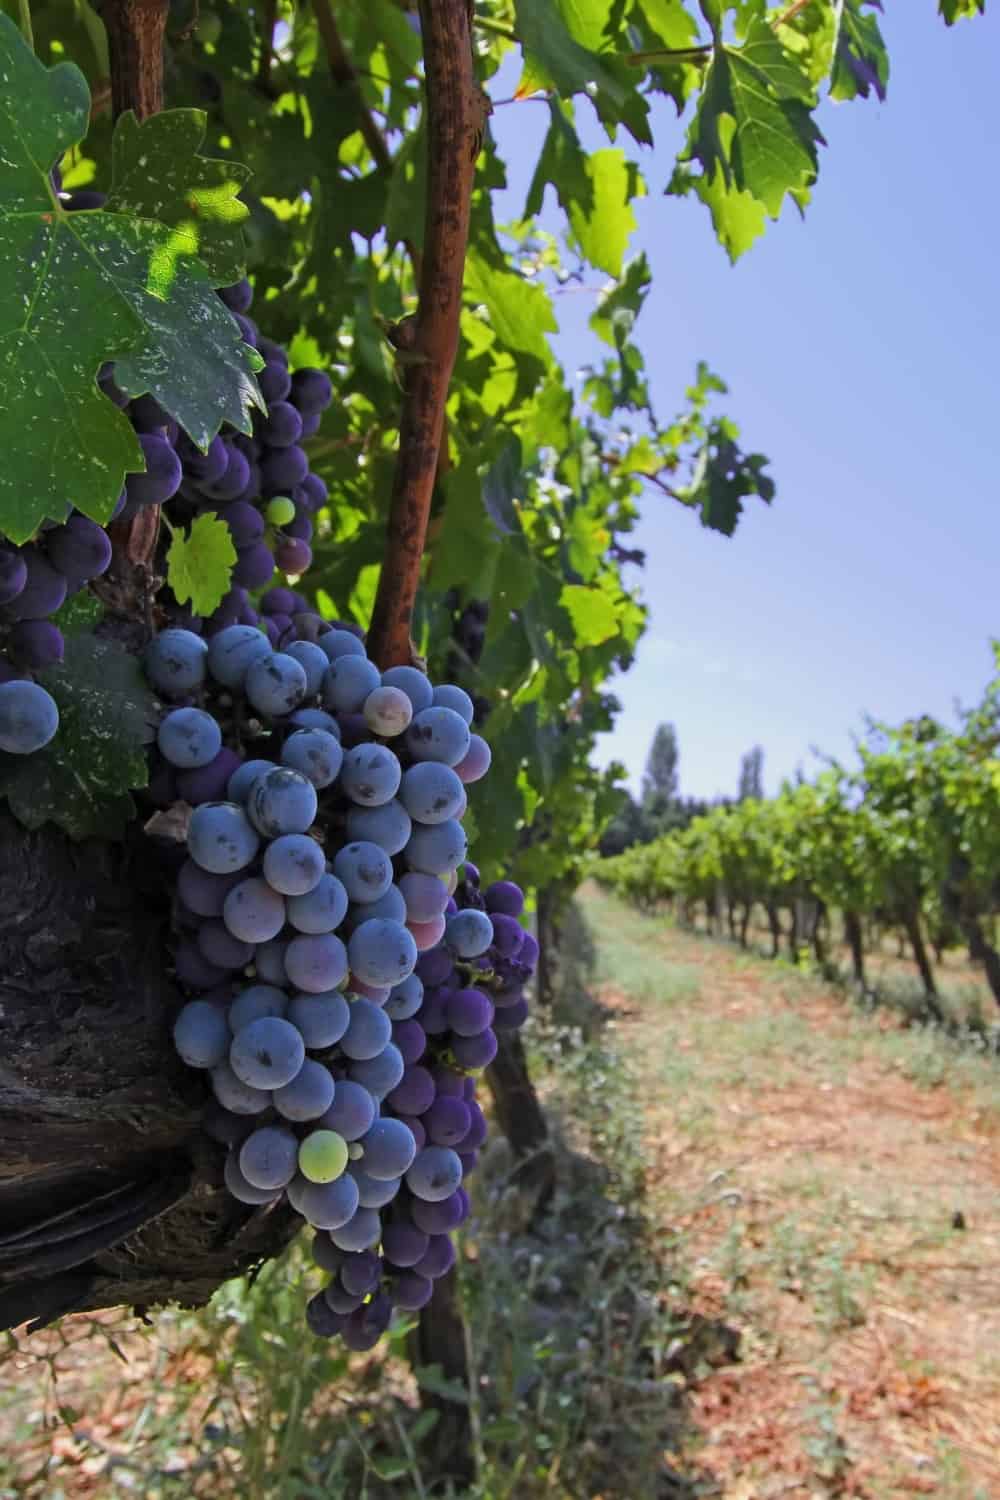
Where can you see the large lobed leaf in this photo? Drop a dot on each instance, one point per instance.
(133, 283)
(753, 136)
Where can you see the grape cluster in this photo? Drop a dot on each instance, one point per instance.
(342, 998)
(35, 580)
(260, 485)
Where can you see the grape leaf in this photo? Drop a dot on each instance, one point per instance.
(958, 10)
(79, 289)
(200, 564)
(79, 614)
(860, 60)
(82, 779)
(593, 615)
(723, 474)
(752, 134)
(520, 311)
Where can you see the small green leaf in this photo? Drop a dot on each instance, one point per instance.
(594, 617)
(82, 779)
(200, 564)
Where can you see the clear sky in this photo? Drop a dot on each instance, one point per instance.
(861, 347)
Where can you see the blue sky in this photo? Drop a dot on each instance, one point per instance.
(861, 346)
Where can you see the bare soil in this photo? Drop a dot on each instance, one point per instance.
(828, 1186)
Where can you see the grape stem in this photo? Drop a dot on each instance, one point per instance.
(24, 18)
(456, 115)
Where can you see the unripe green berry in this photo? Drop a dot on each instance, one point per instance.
(280, 510)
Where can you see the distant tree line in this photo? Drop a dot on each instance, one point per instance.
(660, 808)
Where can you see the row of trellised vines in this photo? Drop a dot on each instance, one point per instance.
(910, 840)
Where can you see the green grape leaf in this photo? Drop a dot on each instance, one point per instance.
(520, 311)
(603, 232)
(723, 475)
(157, 174)
(79, 614)
(77, 290)
(82, 779)
(860, 59)
(960, 10)
(594, 617)
(200, 564)
(753, 136)
(555, 53)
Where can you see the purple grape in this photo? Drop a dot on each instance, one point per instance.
(13, 574)
(322, 1019)
(441, 1217)
(415, 1094)
(204, 893)
(317, 963)
(204, 468)
(268, 1157)
(314, 490)
(282, 469)
(254, 566)
(201, 1035)
(439, 1259)
(162, 476)
(366, 1324)
(475, 1051)
(248, 329)
(36, 644)
(504, 896)
(293, 556)
(281, 427)
(242, 1190)
(245, 522)
(411, 1039)
(267, 1054)
(360, 1232)
(321, 1318)
(308, 1096)
(360, 1272)
(410, 1291)
(447, 1121)
(238, 297)
(193, 970)
(217, 944)
(435, 1173)
(274, 381)
(43, 592)
(312, 391)
(81, 549)
(208, 783)
(404, 1244)
(352, 1112)
(510, 1017)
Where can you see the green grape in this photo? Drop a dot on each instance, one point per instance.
(209, 28)
(323, 1156)
(280, 510)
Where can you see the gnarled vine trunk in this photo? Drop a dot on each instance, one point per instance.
(109, 1192)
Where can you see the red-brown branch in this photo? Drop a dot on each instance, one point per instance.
(136, 30)
(343, 71)
(455, 121)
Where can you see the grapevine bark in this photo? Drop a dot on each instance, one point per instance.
(109, 1192)
(455, 117)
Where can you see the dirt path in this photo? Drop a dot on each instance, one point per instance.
(828, 1185)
